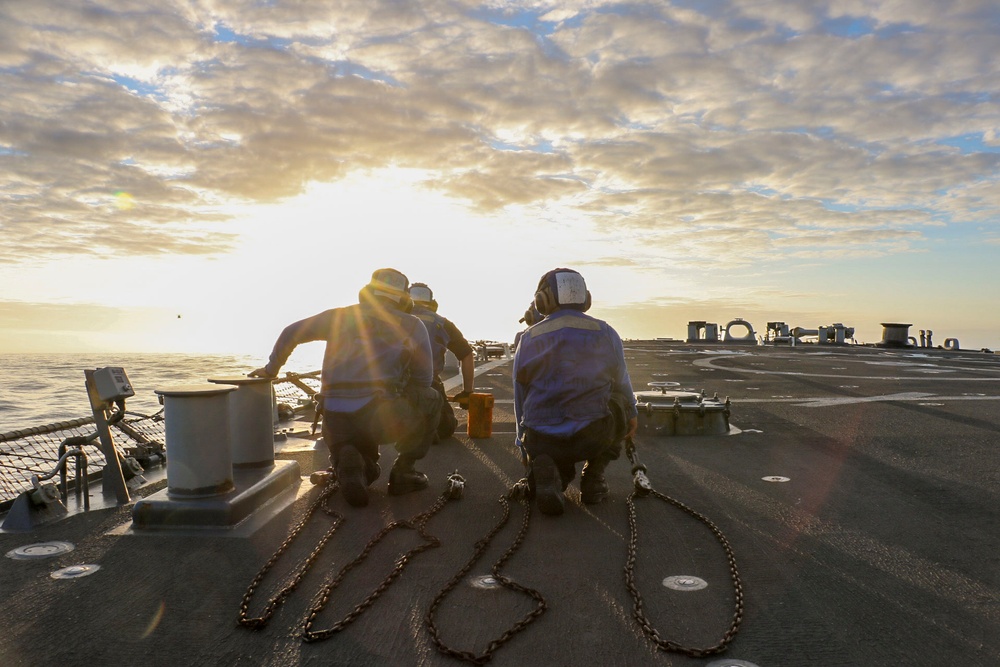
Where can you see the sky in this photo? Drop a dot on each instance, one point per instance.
(194, 175)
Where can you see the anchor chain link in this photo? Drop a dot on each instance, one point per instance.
(637, 610)
(417, 523)
(454, 490)
(258, 622)
(518, 492)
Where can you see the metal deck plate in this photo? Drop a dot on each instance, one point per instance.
(40, 550)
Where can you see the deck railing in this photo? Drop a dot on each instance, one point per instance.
(34, 451)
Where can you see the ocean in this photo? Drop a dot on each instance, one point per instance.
(38, 389)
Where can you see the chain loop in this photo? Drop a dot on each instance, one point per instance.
(637, 610)
(517, 492)
(259, 622)
(417, 523)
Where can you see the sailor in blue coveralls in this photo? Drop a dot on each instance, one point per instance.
(445, 336)
(573, 399)
(376, 384)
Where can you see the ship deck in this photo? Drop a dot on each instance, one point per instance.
(859, 491)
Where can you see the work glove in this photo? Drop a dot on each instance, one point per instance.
(462, 398)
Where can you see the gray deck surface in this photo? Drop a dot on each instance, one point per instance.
(882, 548)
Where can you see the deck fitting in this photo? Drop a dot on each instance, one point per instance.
(685, 582)
(40, 550)
(485, 582)
(75, 571)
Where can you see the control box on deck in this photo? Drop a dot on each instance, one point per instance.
(112, 384)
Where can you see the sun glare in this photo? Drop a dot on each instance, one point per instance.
(297, 257)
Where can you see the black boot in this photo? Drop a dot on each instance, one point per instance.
(403, 478)
(548, 486)
(351, 476)
(593, 487)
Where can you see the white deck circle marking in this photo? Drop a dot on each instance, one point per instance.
(684, 582)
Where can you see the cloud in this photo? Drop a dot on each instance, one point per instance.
(742, 129)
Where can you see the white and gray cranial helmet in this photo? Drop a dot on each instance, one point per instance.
(391, 285)
(423, 296)
(562, 288)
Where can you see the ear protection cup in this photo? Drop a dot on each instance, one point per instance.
(531, 315)
(544, 302)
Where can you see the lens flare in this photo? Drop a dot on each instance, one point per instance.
(155, 621)
(124, 201)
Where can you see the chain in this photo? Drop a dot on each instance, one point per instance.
(417, 523)
(518, 491)
(260, 621)
(637, 610)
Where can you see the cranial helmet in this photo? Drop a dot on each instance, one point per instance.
(423, 296)
(561, 288)
(392, 285)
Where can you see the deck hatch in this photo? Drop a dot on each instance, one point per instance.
(669, 411)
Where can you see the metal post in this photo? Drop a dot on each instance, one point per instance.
(251, 429)
(196, 430)
(112, 475)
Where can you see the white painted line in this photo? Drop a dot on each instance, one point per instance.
(827, 401)
(705, 364)
(456, 381)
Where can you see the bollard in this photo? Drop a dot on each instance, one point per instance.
(251, 424)
(896, 334)
(480, 415)
(196, 426)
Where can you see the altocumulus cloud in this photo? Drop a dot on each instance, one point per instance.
(698, 127)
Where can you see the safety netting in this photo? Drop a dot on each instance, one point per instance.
(34, 451)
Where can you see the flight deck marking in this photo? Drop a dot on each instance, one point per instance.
(825, 401)
(453, 382)
(705, 364)
(848, 400)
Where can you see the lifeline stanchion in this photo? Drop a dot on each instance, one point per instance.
(454, 490)
(517, 492)
(642, 488)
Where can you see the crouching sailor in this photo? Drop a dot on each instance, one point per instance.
(445, 336)
(376, 384)
(573, 399)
